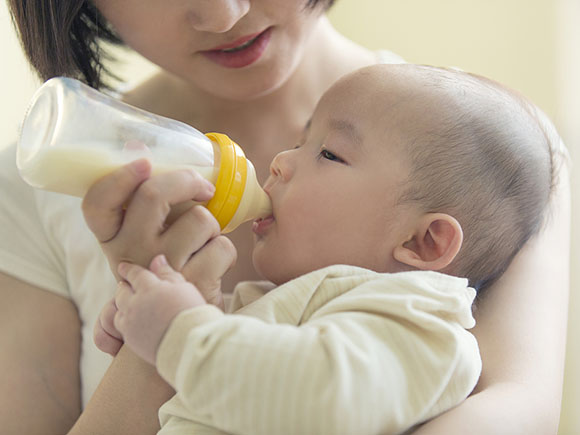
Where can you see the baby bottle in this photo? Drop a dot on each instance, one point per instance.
(72, 135)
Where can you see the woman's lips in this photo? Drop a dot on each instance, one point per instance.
(237, 42)
(260, 226)
(242, 52)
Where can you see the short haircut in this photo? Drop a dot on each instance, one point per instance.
(324, 3)
(486, 159)
(64, 37)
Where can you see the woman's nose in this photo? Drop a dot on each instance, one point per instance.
(217, 16)
(282, 166)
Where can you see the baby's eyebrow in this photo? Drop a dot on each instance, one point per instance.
(347, 128)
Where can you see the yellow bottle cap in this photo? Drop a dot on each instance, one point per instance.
(231, 180)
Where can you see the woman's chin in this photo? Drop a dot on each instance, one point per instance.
(244, 85)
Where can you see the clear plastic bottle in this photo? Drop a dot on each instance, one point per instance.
(73, 135)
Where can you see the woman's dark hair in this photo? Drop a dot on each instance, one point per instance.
(62, 37)
(314, 3)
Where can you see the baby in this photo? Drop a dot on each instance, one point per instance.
(411, 188)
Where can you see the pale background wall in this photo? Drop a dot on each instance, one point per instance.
(533, 46)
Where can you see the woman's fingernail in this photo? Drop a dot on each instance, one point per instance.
(197, 178)
(140, 167)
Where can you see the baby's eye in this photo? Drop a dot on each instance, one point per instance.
(325, 154)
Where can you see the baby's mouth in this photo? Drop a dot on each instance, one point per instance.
(261, 225)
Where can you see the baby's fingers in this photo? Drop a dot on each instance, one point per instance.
(138, 277)
(122, 299)
(106, 319)
(106, 342)
(105, 335)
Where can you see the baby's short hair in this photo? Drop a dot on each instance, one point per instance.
(488, 162)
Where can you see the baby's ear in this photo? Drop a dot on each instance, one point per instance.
(434, 243)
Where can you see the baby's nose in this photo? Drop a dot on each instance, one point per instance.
(281, 166)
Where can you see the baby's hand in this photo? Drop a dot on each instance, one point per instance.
(105, 335)
(147, 301)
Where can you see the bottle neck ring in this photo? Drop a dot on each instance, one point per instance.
(231, 180)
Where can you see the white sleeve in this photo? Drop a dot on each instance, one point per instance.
(25, 249)
(357, 367)
(173, 425)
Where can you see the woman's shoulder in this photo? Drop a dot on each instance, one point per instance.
(387, 56)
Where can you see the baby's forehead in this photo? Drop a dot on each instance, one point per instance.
(374, 80)
(379, 88)
(414, 92)
(405, 81)
(380, 94)
(380, 78)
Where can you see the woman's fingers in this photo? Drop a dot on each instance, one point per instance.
(206, 268)
(127, 211)
(103, 204)
(138, 279)
(188, 234)
(211, 262)
(153, 199)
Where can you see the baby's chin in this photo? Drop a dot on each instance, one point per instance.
(271, 275)
(272, 271)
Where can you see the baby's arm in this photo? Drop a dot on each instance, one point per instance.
(147, 301)
(354, 369)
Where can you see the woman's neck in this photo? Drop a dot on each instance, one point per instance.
(328, 56)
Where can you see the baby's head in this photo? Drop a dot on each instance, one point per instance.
(408, 167)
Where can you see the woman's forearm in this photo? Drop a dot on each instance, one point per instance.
(508, 409)
(126, 401)
(40, 346)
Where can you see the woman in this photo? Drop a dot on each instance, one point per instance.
(253, 69)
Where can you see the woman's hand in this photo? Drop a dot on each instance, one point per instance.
(129, 213)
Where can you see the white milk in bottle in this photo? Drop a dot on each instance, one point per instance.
(73, 135)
